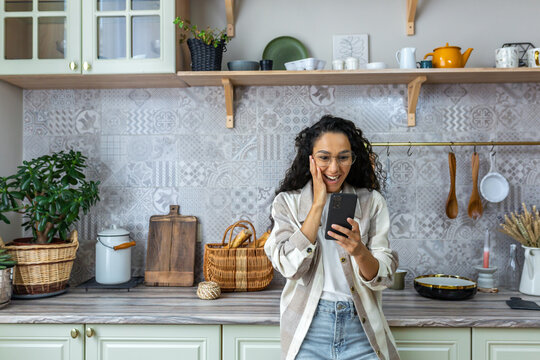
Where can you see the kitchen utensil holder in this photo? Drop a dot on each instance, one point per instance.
(485, 277)
(245, 268)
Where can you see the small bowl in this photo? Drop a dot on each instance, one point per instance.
(445, 287)
(242, 65)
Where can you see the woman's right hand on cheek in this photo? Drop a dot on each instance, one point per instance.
(319, 187)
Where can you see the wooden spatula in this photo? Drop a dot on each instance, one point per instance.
(475, 204)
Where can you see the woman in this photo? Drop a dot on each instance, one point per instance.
(331, 304)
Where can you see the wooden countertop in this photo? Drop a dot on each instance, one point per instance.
(158, 305)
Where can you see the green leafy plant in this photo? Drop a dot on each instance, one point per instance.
(6, 261)
(49, 191)
(208, 36)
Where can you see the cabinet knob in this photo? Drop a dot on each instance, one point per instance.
(74, 333)
(73, 66)
(87, 66)
(89, 332)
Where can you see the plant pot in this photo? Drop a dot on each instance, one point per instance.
(205, 57)
(5, 287)
(42, 268)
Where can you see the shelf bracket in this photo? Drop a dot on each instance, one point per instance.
(413, 90)
(229, 101)
(229, 5)
(411, 13)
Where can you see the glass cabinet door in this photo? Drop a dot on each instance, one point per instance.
(40, 36)
(128, 36)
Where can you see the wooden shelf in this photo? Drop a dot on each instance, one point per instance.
(73, 81)
(360, 77)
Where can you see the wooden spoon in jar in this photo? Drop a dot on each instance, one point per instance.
(475, 204)
(451, 202)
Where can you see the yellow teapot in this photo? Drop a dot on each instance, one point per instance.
(449, 57)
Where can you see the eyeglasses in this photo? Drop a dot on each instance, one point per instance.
(324, 160)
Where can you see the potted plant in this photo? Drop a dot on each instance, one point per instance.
(6, 264)
(206, 46)
(49, 191)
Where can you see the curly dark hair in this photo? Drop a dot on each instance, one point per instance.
(365, 171)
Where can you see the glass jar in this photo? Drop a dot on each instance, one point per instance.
(512, 271)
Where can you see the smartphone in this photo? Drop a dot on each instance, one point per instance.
(341, 207)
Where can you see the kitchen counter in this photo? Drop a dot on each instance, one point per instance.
(158, 305)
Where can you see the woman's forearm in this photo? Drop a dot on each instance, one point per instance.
(368, 265)
(310, 227)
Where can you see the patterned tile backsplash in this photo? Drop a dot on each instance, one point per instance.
(154, 147)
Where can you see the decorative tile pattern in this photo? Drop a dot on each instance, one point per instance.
(151, 148)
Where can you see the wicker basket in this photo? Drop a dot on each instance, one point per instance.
(245, 268)
(42, 269)
(205, 57)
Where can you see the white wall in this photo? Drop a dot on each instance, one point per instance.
(481, 24)
(11, 126)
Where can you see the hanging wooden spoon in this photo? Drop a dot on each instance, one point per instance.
(475, 204)
(451, 202)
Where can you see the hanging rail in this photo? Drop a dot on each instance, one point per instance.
(457, 143)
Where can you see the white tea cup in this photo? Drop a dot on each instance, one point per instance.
(507, 57)
(351, 63)
(338, 64)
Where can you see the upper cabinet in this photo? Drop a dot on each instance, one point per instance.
(87, 36)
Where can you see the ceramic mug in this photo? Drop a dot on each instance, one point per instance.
(399, 280)
(351, 63)
(406, 58)
(533, 58)
(507, 57)
(337, 64)
(424, 64)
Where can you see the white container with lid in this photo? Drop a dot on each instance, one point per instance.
(113, 256)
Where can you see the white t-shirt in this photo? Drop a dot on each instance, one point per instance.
(335, 286)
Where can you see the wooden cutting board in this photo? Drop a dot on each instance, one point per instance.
(170, 255)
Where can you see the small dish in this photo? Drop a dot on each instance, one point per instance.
(305, 64)
(445, 287)
(243, 65)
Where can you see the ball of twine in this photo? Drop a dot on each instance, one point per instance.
(208, 290)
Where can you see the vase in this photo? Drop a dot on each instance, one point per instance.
(530, 277)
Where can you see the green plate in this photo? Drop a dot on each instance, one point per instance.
(284, 49)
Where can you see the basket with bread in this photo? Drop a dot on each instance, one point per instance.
(240, 264)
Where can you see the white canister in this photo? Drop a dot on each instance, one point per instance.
(113, 256)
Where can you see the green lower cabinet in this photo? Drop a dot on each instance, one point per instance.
(433, 343)
(43, 342)
(153, 342)
(248, 342)
(506, 344)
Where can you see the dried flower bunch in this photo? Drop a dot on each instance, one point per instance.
(524, 227)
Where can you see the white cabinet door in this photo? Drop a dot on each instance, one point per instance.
(153, 342)
(133, 36)
(248, 342)
(506, 344)
(41, 341)
(40, 37)
(433, 343)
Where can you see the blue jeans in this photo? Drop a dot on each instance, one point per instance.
(336, 333)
